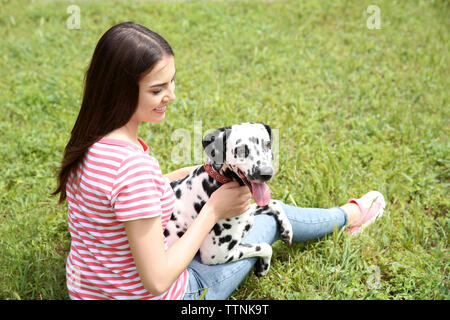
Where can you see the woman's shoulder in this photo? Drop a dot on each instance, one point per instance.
(122, 152)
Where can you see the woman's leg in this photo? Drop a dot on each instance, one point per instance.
(312, 223)
(222, 279)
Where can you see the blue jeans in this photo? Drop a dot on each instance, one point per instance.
(222, 279)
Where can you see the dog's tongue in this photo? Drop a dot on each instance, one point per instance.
(261, 193)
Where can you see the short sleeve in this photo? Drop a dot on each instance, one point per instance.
(137, 192)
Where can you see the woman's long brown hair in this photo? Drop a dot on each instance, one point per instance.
(123, 55)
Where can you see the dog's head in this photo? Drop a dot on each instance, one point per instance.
(243, 152)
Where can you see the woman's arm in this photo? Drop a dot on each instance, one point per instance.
(157, 268)
(180, 173)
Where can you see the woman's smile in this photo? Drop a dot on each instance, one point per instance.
(161, 109)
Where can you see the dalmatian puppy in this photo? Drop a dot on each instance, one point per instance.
(240, 152)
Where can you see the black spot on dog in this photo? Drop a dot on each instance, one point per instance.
(224, 239)
(231, 175)
(254, 140)
(217, 229)
(199, 205)
(226, 225)
(232, 244)
(246, 151)
(173, 217)
(208, 187)
(178, 193)
(199, 171)
(260, 209)
(241, 254)
(212, 257)
(175, 183)
(230, 259)
(180, 234)
(247, 227)
(166, 233)
(258, 248)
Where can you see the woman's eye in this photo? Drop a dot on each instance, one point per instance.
(156, 92)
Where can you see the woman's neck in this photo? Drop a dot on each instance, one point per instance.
(128, 132)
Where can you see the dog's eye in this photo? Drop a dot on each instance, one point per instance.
(268, 145)
(242, 151)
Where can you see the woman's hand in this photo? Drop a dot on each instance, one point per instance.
(229, 200)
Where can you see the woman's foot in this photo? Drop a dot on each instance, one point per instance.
(363, 211)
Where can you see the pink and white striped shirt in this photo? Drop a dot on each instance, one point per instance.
(117, 181)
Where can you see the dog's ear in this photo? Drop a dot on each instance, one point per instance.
(215, 145)
(269, 130)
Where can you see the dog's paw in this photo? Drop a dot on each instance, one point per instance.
(286, 233)
(262, 265)
(285, 226)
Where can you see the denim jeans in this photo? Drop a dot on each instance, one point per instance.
(221, 279)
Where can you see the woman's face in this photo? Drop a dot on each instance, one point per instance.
(156, 90)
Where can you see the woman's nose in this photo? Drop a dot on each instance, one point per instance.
(171, 96)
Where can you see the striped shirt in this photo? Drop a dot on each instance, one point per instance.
(117, 181)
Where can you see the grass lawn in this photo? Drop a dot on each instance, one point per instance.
(356, 109)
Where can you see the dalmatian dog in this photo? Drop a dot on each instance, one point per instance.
(240, 152)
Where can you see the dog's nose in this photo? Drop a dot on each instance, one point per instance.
(264, 173)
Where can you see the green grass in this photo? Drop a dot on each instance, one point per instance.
(356, 110)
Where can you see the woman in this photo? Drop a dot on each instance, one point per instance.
(119, 202)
